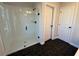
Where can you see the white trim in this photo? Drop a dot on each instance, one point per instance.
(71, 43)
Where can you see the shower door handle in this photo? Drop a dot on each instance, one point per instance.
(70, 27)
(26, 28)
(35, 22)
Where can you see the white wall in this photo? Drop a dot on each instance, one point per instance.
(75, 34)
(20, 4)
(40, 33)
(75, 23)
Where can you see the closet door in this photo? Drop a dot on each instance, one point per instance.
(66, 19)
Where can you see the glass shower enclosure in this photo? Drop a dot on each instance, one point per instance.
(19, 26)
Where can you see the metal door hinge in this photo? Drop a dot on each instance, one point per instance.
(51, 25)
(38, 37)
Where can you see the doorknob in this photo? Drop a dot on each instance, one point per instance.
(35, 22)
(70, 27)
(51, 25)
(26, 28)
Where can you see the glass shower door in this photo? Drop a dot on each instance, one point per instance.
(19, 28)
(28, 25)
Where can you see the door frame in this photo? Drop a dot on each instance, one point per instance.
(52, 21)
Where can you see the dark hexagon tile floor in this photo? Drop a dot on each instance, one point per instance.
(55, 47)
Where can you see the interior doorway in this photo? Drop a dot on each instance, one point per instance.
(49, 22)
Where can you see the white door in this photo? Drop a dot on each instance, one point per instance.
(66, 19)
(49, 22)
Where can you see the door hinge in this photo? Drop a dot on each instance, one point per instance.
(51, 25)
(38, 37)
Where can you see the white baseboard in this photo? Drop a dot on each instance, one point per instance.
(42, 43)
(54, 37)
(71, 43)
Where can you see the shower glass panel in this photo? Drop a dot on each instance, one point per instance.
(6, 30)
(27, 24)
(19, 27)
